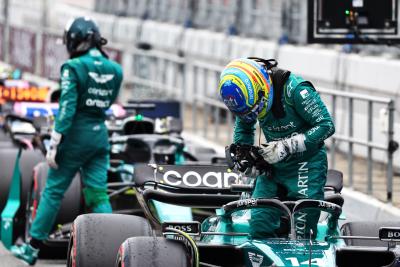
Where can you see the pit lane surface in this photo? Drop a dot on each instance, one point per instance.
(8, 260)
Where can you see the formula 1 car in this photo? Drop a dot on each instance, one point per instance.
(133, 139)
(224, 239)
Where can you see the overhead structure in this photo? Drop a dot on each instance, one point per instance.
(353, 21)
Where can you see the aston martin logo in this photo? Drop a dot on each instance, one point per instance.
(103, 78)
(255, 259)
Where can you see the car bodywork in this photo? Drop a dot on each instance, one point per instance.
(226, 234)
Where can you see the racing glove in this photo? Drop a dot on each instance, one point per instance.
(251, 172)
(276, 151)
(52, 151)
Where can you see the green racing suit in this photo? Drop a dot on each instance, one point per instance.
(89, 85)
(302, 174)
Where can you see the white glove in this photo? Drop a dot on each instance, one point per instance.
(276, 151)
(52, 151)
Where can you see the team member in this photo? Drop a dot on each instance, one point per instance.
(295, 123)
(90, 83)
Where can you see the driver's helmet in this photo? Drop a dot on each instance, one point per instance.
(246, 89)
(81, 34)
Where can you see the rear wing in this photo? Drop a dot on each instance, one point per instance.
(201, 178)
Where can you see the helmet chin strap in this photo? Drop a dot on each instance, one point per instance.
(256, 110)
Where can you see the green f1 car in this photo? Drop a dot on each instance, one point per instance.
(223, 239)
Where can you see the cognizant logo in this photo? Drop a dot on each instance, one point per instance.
(194, 179)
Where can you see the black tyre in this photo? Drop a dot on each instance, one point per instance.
(96, 238)
(366, 229)
(152, 251)
(71, 205)
(29, 158)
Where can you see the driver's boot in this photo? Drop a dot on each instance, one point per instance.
(26, 253)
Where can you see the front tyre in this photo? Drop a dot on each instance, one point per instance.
(95, 238)
(152, 251)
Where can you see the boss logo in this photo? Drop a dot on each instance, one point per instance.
(393, 234)
(389, 233)
(194, 179)
(189, 227)
(185, 228)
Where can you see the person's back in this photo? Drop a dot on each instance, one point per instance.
(90, 83)
(97, 81)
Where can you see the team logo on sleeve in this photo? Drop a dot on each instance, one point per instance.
(65, 73)
(103, 78)
(304, 93)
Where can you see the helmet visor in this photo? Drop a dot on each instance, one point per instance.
(253, 113)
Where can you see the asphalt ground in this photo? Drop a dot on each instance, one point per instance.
(8, 260)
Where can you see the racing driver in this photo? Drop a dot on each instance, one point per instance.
(90, 83)
(295, 123)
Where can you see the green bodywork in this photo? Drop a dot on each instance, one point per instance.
(266, 251)
(12, 206)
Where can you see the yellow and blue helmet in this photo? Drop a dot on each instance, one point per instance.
(246, 88)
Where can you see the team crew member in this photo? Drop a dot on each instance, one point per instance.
(90, 83)
(295, 123)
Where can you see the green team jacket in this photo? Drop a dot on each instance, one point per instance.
(89, 85)
(304, 113)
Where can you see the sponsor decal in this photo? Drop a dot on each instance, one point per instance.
(281, 128)
(102, 78)
(301, 223)
(302, 187)
(100, 92)
(313, 130)
(65, 73)
(326, 205)
(304, 93)
(230, 102)
(187, 227)
(290, 88)
(302, 179)
(255, 259)
(194, 179)
(247, 202)
(392, 234)
(97, 103)
(389, 234)
(320, 118)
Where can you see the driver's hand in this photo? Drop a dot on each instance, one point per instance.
(52, 151)
(276, 151)
(251, 172)
(273, 152)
